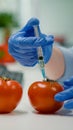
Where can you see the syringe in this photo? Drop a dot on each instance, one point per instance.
(40, 53)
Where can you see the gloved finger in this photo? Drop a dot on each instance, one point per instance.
(23, 52)
(67, 87)
(18, 34)
(12, 39)
(69, 82)
(48, 50)
(69, 104)
(21, 41)
(64, 95)
(24, 55)
(26, 62)
(43, 41)
(31, 42)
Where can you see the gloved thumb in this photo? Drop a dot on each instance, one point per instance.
(69, 82)
(29, 25)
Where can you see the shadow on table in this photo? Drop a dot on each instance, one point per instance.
(15, 113)
(18, 112)
(64, 112)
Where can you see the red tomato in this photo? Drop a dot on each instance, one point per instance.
(41, 96)
(10, 94)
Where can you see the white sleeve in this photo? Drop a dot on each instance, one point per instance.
(68, 57)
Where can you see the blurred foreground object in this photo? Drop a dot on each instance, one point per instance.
(14, 75)
(61, 40)
(5, 57)
(7, 22)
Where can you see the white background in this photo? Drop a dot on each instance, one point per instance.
(56, 16)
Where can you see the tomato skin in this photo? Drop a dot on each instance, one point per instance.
(10, 95)
(41, 96)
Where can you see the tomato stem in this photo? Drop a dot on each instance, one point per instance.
(5, 78)
(49, 80)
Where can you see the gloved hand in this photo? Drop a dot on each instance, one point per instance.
(23, 45)
(67, 94)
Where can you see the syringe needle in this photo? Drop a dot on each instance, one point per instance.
(40, 54)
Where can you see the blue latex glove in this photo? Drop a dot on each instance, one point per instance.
(67, 94)
(23, 45)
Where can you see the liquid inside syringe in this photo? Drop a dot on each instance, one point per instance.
(40, 54)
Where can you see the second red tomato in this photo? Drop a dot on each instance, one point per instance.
(41, 96)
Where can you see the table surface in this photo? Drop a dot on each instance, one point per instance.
(24, 117)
